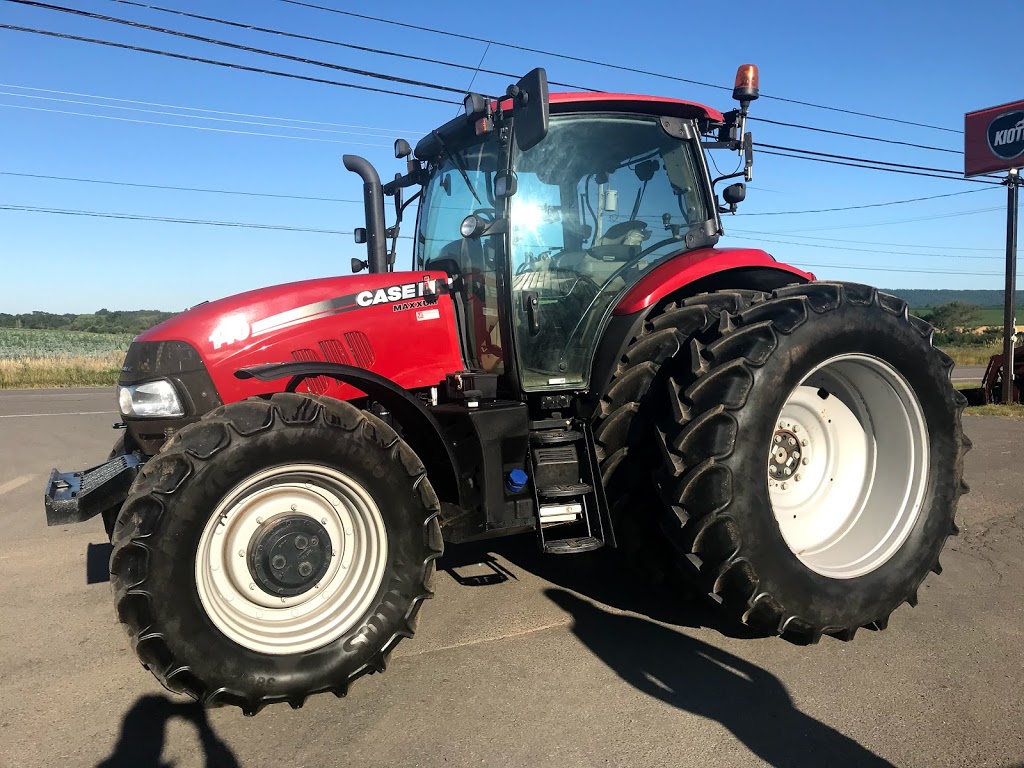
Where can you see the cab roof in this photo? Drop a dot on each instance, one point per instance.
(628, 102)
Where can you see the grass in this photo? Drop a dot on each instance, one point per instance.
(31, 358)
(1012, 411)
(974, 355)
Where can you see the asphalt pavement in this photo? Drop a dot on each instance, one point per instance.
(522, 660)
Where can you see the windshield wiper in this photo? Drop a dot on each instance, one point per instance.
(459, 165)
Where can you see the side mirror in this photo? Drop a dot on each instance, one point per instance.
(359, 235)
(530, 108)
(402, 148)
(505, 184)
(734, 193)
(358, 265)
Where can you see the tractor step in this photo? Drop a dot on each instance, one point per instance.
(574, 546)
(560, 491)
(555, 437)
(572, 513)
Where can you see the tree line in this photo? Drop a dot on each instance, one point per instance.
(104, 321)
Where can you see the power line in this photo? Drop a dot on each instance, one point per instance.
(878, 168)
(339, 43)
(179, 189)
(167, 219)
(866, 205)
(951, 215)
(862, 268)
(868, 250)
(387, 131)
(192, 127)
(190, 117)
(823, 157)
(609, 65)
(215, 62)
(857, 159)
(239, 47)
(478, 68)
(875, 242)
(844, 133)
(285, 228)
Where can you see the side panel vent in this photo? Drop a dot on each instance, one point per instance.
(361, 348)
(316, 385)
(335, 352)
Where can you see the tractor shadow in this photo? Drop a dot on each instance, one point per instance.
(143, 733)
(698, 678)
(600, 576)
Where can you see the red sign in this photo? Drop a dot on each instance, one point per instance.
(994, 139)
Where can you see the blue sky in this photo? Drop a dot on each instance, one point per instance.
(921, 61)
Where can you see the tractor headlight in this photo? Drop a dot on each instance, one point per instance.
(153, 398)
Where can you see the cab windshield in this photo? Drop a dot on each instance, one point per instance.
(601, 200)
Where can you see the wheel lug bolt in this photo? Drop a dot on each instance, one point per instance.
(783, 486)
(772, 469)
(259, 520)
(778, 439)
(252, 586)
(294, 507)
(792, 441)
(803, 443)
(241, 553)
(797, 478)
(805, 462)
(796, 454)
(796, 428)
(781, 425)
(788, 471)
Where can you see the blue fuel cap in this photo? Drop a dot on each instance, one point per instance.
(516, 480)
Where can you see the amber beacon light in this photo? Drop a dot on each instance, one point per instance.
(745, 88)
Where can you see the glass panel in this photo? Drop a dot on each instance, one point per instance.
(448, 199)
(601, 200)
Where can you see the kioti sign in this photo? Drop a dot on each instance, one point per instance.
(994, 139)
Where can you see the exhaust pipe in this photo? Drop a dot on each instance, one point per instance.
(373, 202)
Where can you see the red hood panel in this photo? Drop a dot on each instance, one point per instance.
(380, 322)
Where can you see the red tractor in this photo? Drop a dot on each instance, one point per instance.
(569, 353)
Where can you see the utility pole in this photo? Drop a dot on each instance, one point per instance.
(1010, 298)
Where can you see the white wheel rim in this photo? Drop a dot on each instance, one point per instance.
(244, 608)
(847, 471)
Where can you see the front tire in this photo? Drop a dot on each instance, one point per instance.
(273, 550)
(846, 375)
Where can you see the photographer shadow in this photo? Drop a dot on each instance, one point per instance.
(143, 734)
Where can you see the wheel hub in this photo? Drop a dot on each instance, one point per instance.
(289, 555)
(789, 451)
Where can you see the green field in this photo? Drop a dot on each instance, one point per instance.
(986, 315)
(35, 358)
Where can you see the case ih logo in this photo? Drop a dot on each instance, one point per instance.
(1006, 135)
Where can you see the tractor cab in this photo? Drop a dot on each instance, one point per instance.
(544, 210)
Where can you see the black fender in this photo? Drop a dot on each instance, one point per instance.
(420, 429)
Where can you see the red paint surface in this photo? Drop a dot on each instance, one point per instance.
(978, 156)
(680, 271)
(561, 103)
(409, 351)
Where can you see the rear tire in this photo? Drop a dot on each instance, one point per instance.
(623, 424)
(851, 366)
(202, 569)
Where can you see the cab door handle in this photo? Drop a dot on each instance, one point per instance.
(531, 305)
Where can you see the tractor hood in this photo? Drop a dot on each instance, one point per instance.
(399, 324)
